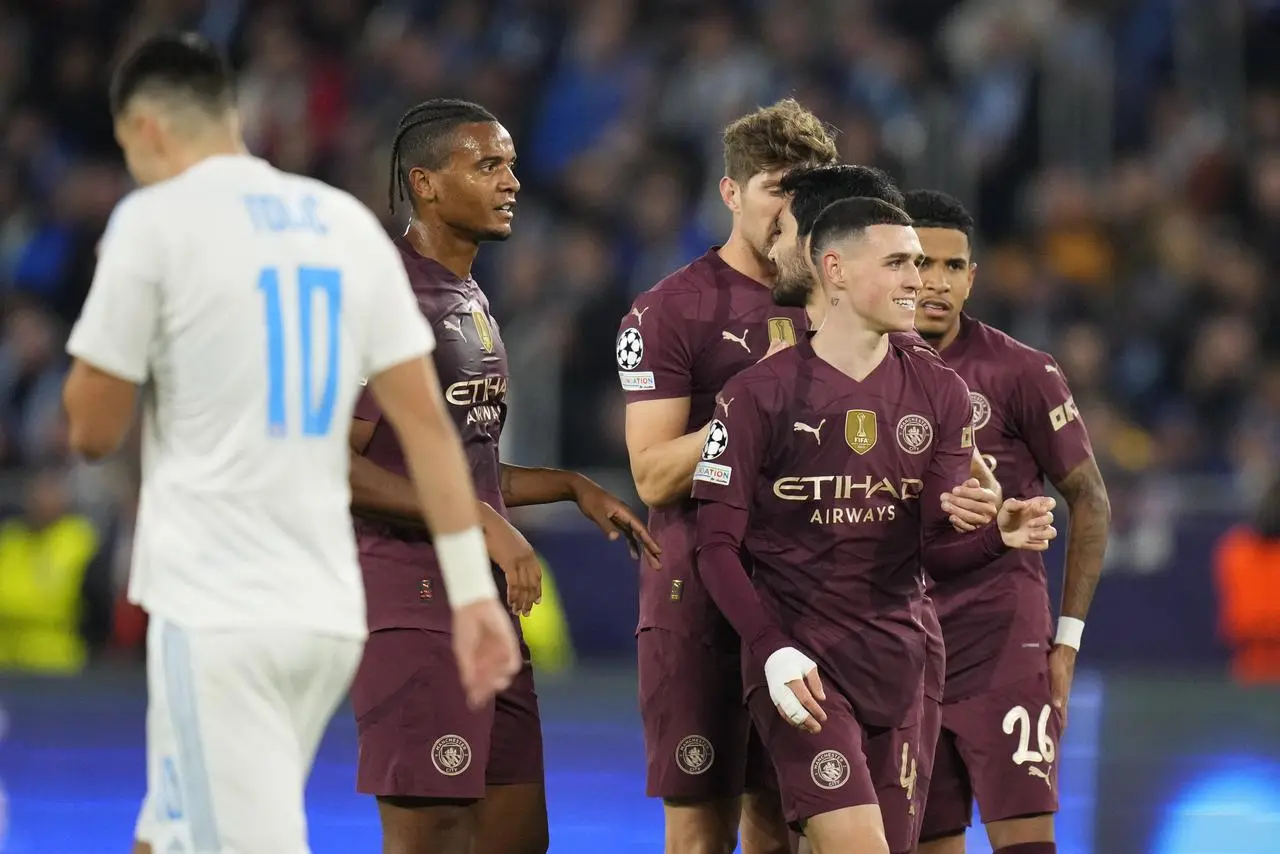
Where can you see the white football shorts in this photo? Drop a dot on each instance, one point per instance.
(234, 718)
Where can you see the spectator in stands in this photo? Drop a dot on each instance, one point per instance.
(53, 594)
(1247, 574)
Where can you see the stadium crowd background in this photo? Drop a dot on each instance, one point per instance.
(1123, 158)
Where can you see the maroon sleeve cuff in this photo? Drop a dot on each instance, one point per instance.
(952, 553)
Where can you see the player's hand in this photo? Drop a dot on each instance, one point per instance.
(1027, 524)
(516, 558)
(1062, 670)
(970, 505)
(484, 642)
(775, 347)
(796, 688)
(612, 515)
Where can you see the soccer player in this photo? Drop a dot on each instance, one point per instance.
(248, 303)
(808, 193)
(826, 479)
(677, 346)
(1008, 677)
(449, 778)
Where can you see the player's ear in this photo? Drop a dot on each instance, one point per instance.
(973, 271)
(729, 194)
(832, 268)
(423, 185)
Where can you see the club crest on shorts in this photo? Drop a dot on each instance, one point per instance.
(451, 755)
(915, 433)
(782, 331)
(426, 591)
(694, 754)
(860, 430)
(829, 769)
(981, 409)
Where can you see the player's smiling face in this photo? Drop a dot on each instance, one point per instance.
(795, 277)
(881, 277)
(476, 191)
(946, 276)
(760, 202)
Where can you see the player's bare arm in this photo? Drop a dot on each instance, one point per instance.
(1088, 526)
(522, 486)
(484, 641)
(663, 456)
(100, 410)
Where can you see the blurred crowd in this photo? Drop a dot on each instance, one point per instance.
(1140, 262)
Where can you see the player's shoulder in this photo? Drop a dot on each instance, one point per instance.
(768, 381)
(921, 358)
(1013, 356)
(683, 288)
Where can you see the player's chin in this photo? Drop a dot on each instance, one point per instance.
(930, 327)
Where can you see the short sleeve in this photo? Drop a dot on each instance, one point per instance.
(1048, 420)
(120, 319)
(653, 350)
(395, 330)
(735, 449)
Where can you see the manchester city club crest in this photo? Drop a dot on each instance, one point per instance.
(451, 754)
(829, 769)
(694, 754)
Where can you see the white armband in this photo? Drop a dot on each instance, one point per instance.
(1070, 630)
(464, 565)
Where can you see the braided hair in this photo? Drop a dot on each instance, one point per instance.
(423, 139)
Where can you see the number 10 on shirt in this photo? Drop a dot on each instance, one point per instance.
(317, 414)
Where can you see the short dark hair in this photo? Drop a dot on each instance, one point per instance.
(783, 135)
(424, 138)
(849, 217)
(935, 209)
(814, 190)
(183, 64)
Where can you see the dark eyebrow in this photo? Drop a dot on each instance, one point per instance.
(901, 256)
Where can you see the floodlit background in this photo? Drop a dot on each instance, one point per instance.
(1123, 159)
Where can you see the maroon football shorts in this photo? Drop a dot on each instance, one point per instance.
(930, 731)
(695, 722)
(1000, 747)
(847, 764)
(417, 735)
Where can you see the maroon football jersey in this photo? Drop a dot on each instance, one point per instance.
(842, 480)
(686, 337)
(402, 579)
(996, 621)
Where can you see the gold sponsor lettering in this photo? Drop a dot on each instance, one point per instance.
(489, 389)
(853, 515)
(845, 487)
(483, 331)
(860, 430)
(782, 331)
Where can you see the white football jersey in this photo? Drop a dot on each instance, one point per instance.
(249, 303)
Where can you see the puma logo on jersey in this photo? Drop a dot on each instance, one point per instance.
(454, 326)
(1033, 771)
(729, 336)
(639, 314)
(801, 427)
(1050, 369)
(724, 404)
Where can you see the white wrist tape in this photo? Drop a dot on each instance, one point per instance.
(787, 665)
(1070, 630)
(464, 564)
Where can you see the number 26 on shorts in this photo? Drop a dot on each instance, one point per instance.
(316, 410)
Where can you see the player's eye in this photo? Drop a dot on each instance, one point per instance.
(957, 265)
